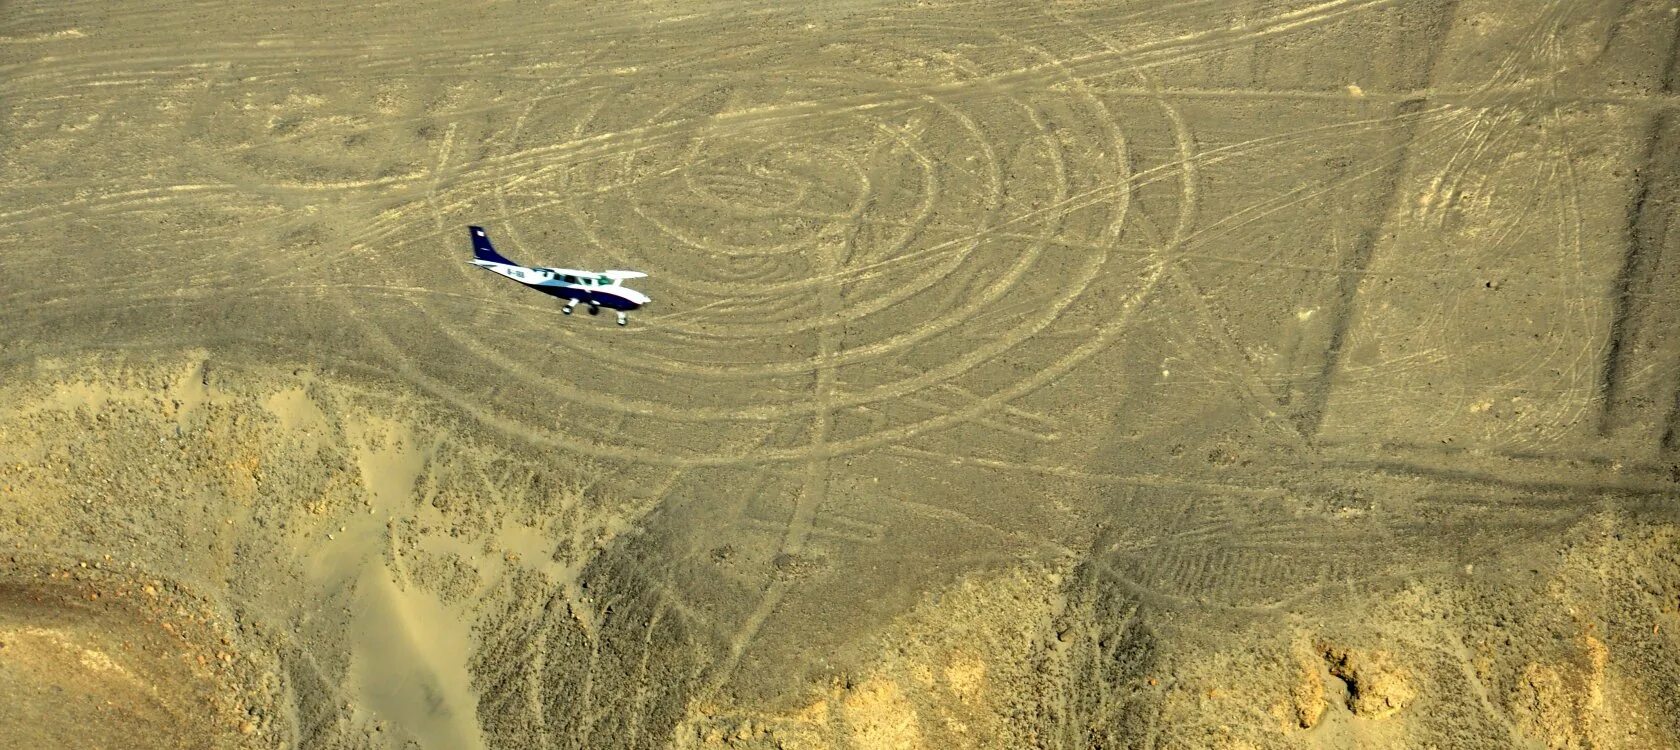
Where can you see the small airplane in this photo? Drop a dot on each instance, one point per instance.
(597, 290)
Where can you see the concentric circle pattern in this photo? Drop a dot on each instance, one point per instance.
(812, 238)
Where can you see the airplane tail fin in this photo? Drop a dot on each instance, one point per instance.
(482, 248)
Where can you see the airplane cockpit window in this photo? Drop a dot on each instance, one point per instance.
(604, 280)
(569, 279)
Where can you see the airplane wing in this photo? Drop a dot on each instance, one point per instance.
(622, 275)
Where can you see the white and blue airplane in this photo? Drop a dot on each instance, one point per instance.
(597, 290)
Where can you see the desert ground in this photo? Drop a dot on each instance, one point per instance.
(1148, 374)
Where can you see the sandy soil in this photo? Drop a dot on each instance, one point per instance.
(1238, 374)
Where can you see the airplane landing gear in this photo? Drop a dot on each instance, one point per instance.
(594, 309)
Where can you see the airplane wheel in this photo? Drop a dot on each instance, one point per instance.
(565, 311)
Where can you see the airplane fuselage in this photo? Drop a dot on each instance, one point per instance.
(581, 287)
(595, 289)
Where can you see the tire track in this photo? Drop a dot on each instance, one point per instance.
(901, 136)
